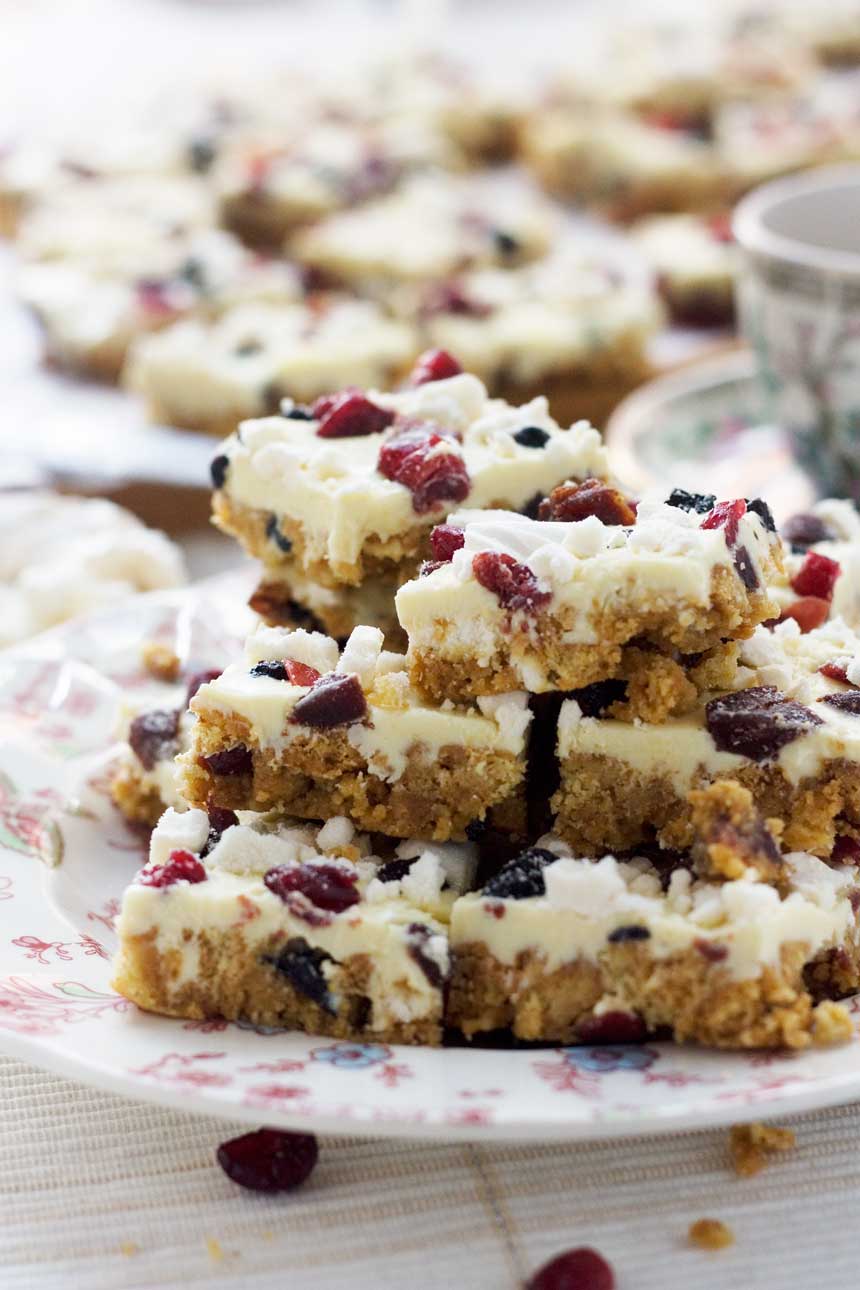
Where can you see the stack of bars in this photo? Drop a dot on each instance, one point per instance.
(590, 772)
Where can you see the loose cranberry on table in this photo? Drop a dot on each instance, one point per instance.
(579, 1269)
(269, 1159)
(349, 416)
(434, 365)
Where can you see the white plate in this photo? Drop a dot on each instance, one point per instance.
(65, 855)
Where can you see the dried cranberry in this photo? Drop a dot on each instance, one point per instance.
(612, 1028)
(197, 679)
(232, 761)
(153, 296)
(269, 1159)
(181, 866)
(711, 951)
(336, 699)
(571, 502)
(514, 584)
(594, 699)
(804, 530)
(445, 540)
(726, 515)
(817, 576)
(521, 877)
(218, 468)
(302, 965)
(809, 612)
(531, 437)
(418, 936)
(701, 503)
(154, 736)
(430, 566)
(848, 702)
(835, 671)
(758, 722)
(327, 886)
(350, 416)
(425, 460)
(580, 1269)
(450, 298)
(720, 226)
(434, 365)
(846, 850)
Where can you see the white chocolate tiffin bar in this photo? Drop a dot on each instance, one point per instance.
(287, 924)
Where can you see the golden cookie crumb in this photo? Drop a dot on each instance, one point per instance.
(160, 661)
(216, 1253)
(751, 1144)
(832, 1024)
(711, 1234)
(129, 1248)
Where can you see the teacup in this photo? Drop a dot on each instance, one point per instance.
(798, 294)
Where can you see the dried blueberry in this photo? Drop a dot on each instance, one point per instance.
(154, 736)
(275, 668)
(298, 412)
(247, 348)
(274, 534)
(804, 530)
(476, 829)
(701, 503)
(632, 932)
(758, 722)
(335, 700)
(531, 510)
(521, 877)
(193, 271)
(745, 568)
(220, 821)
(218, 470)
(201, 154)
(759, 507)
(302, 966)
(594, 699)
(848, 702)
(394, 870)
(506, 243)
(531, 437)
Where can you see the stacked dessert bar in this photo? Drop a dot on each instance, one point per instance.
(606, 786)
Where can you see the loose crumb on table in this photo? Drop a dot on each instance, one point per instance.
(750, 1146)
(711, 1234)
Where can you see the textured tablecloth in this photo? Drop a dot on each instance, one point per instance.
(98, 1193)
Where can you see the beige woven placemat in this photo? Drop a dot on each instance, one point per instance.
(98, 1193)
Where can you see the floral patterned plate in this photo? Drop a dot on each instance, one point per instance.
(705, 427)
(65, 855)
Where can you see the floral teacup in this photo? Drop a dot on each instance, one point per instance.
(798, 295)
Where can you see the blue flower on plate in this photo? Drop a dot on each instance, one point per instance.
(355, 1056)
(612, 1057)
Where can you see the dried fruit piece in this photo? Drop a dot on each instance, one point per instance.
(594, 699)
(531, 437)
(835, 671)
(197, 679)
(726, 515)
(579, 1269)
(302, 966)
(327, 886)
(809, 612)
(846, 850)
(349, 416)
(848, 702)
(181, 866)
(759, 507)
(745, 568)
(521, 877)
(434, 365)
(514, 584)
(274, 534)
(232, 761)
(269, 1159)
(286, 669)
(571, 502)
(154, 736)
(426, 460)
(817, 576)
(445, 540)
(758, 722)
(612, 1028)
(701, 503)
(394, 870)
(218, 470)
(630, 932)
(336, 699)
(220, 820)
(804, 530)
(419, 935)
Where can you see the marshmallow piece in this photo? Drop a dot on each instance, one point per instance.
(178, 831)
(361, 654)
(335, 834)
(511, 714)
